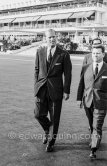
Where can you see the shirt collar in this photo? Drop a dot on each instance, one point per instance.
(52, 50)
(99, 65)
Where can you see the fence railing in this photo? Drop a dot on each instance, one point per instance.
(54, 8)
(50, 25)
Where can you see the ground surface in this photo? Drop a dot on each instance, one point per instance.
(21, 135)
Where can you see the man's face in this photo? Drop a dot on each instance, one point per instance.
(51, 38)
(97, 55)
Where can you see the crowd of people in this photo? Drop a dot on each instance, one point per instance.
(67, 42)
(11, 42)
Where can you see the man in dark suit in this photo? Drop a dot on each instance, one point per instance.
(88, 57)
(51, 64)
(92, 92)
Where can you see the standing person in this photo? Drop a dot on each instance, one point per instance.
(92, 91)
(88, 57)
(50, 65)
(84, 40)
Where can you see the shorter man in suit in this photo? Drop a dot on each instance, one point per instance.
(51, 64)
(88, 57)
(92, 92)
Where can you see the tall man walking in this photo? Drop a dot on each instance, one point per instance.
(50, 64)
(92, 91)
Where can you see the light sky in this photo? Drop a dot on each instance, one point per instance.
(4, 2)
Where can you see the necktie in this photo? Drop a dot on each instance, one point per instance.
(49, 57)
(96, 70)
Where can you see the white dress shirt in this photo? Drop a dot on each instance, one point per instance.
(52, 51)
(99, 66)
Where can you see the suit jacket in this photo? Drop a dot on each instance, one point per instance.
(88, 59)
(91, 89)
(53, 78)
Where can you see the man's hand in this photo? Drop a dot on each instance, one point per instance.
(66, 96)
(80, 104)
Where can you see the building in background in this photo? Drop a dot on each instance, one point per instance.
(77, 18)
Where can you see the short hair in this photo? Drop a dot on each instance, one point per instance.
(97, 38)
(99, 46)
(49, 30)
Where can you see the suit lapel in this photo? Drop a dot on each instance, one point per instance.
(55, 58)
(89, 74)
(101, 71)
(44, 59)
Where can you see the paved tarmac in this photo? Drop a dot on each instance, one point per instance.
(21, 135)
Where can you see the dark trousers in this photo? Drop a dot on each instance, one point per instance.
(42, 108)
(96, 120)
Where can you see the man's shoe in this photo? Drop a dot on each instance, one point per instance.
(46, 136)
(49, 148)
(45, 140)
(92, 155)
(90, 144)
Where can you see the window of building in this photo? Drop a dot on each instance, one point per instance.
(71, 20)
(54, 21)
(92, 17)
(40, 22)
(5, 24)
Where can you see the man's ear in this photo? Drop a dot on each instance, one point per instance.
(103, 54)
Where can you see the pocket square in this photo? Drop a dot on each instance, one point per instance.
(58, 64)
(104, 77)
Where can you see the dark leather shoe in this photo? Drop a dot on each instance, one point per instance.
(49, 148)
(45, 140)
(90, 144)
(46, 136)
(92, 155)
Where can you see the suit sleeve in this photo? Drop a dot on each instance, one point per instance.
(85, 60)
(36, 70)
(105, 58)
(81, 87)
(67, 73)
